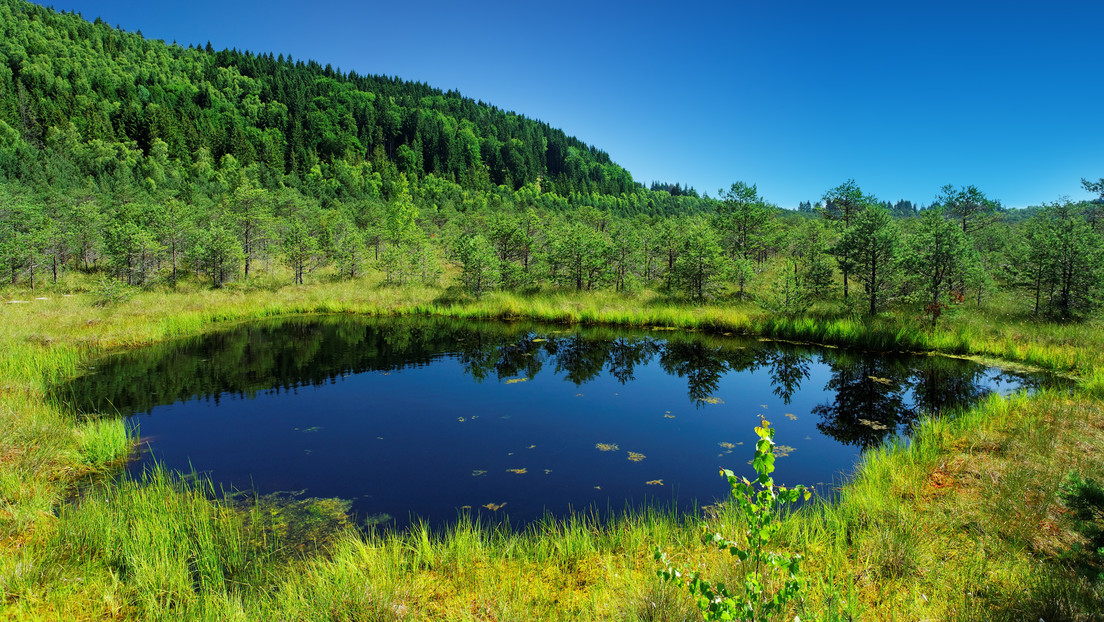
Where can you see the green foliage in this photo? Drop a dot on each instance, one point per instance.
(745, 222)
(1060, 261)
(968, 207)
(110, 292)
(86, 99)
(762, 595)
(217, 253)
(578, 255)
(116, 149)
(1085, 499)
(789, 294)
(300, 249)
(844, 202)
(842, 205)
(478, 263)
(344, 243)
(937, 256)
(701, 269)
(869, 251)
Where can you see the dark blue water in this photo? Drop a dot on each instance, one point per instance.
(428, 418)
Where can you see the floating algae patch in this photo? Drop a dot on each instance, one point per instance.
(494, 507)
(781, 451)
(606, 446)
(460, 419)
(727, 445)
(531, 447)
(886, 381)
(635, 457)
(521, 471)
(516, 380)
(791, 416)
(312, 429)
(377, 519)
(478, 473)
(300, 523)
(710, 400)
(654, 482)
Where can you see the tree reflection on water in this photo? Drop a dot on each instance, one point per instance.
(872, 396)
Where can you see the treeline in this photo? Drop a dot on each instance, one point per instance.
(902, 208)
(959, 251)
(84, 105)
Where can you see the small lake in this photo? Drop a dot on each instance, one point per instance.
(414, 418)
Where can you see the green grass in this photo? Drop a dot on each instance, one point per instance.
(963, 522)
(103, 442)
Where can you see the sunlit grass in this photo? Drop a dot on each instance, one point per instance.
(102, 442)
(961, 522)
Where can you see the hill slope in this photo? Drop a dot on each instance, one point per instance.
(81, 100)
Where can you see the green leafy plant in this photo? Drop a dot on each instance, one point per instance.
(759, 503)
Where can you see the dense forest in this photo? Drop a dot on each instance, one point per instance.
(148, 163)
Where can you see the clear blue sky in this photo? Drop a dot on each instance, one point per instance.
(796, 97)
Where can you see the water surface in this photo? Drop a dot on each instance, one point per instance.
(427, 418)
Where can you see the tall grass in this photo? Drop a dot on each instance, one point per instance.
(959, 523)
(103, 442)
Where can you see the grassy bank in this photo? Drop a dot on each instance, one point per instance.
(966, 522)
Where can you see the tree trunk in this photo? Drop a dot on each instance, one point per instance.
(873, 286)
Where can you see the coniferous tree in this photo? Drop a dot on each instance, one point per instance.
(842, 205)
(868, 250)
(1094, 209)
(701, 268)
(745, 221)
(1064, 260)
(216, 253)
(479, 264)
(937, 256)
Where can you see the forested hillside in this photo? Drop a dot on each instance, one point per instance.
(80, 92)
(146, 163)
(127, 154)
